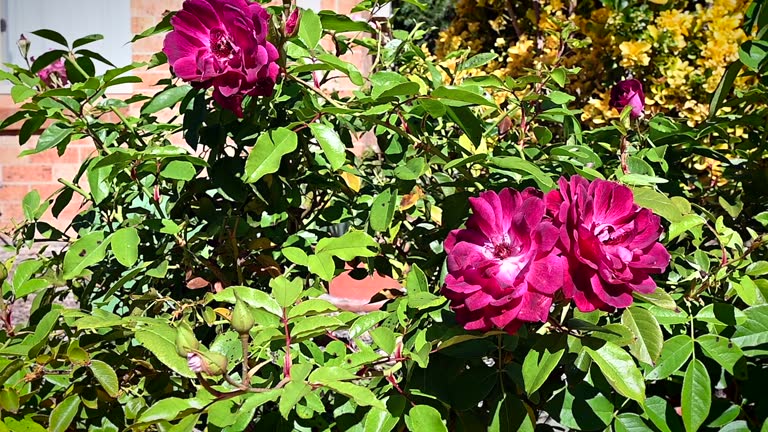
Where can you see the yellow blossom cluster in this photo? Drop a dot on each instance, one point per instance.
(678, 50)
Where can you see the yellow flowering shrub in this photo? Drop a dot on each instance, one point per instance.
(678, 49)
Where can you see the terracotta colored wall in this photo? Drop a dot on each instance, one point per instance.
(18, 176)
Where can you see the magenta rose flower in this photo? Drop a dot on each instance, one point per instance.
(54, 75)
(611, 243)
(628, 93)
(292, 23)
(503, 268)
(223, 44)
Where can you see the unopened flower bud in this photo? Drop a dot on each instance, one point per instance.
(210, 363)
(242, 318)
(186, 341)
(292, 24)
(23, 43)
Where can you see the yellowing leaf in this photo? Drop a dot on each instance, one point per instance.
(353, 182)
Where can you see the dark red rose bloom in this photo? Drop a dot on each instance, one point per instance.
(223, 44)
(292, 24)
(611, 243)
(628, 93)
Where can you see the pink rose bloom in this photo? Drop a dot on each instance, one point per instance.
(628, 93)
(611, 243)
(292, 24)
(223, 43)
(503, 269)
(54, 75)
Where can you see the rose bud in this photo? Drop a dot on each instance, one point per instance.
(292, 24)
(628, 93)
(210, 363)
(186, 341)
(23, 44)
(242, 318)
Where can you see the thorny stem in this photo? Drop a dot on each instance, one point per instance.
(315, 90)
(287, 363)
(244, 340)
(623, 154)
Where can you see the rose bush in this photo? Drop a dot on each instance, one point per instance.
(211, 252)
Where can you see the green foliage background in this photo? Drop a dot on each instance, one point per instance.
(172, 244)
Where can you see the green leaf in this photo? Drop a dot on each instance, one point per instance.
(23, 425)
(160, 340)
(322, 265)
(754, 331)
(98, 181)
(293, 392)
(658, 298)
(541, 360)
(424, 418)
(384, 420)
(253, 297)
(125, 246)
(365, 322)
(559, 76)
(724, 87)
(315, 324)
(327, 374)
(662, 414)
(511, 414)
(658, 203)
(411, 170)
(519, 165)
(88, 250)
(266, 155)
(30, 203)
(106, 376)
(20, 93)
(86, 40)
(416, 281)
(165, 99)
(361, 395)
(9, 400)
(674, 354)
(54, 135)
(722, 314)
(476, 61)
(311, 306)
(329, 141)
(248, 408)
(620, 370)
(686, 223)
(179, 170)
(285, 291)
(63, 414)
(648, 338)
(295, 255)
(383, 210)
(52, 36)
(351, 245)
(696, 397)
(310, 28)
(721, 350)
(458, 96)
(630, 422)
(168, 409)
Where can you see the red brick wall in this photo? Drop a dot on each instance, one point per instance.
(18, 176)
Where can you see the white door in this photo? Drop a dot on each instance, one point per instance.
(73, 19)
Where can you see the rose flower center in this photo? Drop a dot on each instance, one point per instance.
(609, 235)
(505, 250)
(221, 46)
